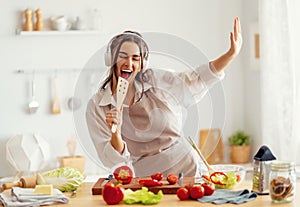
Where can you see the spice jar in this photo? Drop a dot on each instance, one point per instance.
(282, 182)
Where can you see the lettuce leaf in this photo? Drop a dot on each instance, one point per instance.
(143, 196)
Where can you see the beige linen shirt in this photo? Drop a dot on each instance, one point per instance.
(152, 127)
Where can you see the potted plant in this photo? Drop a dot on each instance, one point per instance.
(239, 143)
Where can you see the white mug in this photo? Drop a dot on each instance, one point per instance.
(60, 23)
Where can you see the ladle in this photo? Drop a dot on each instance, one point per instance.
(33, 104)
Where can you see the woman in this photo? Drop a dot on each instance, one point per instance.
(149, 128)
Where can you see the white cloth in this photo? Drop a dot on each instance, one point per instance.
(25, 197)
(152, 127)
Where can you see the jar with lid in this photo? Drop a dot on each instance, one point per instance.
(282, 182)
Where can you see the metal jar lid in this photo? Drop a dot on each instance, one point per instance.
(282, 166)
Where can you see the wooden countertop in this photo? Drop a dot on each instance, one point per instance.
(85, 198)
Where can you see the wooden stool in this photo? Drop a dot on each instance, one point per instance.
(211, 145)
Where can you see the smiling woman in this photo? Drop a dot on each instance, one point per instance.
(150, 123)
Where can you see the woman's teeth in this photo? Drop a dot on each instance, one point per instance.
(125, 73)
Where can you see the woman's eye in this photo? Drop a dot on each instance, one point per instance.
(122, 56)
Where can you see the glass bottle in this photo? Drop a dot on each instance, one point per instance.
(282, 182)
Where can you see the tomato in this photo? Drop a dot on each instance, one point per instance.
(238, 178)
(150, 183)
(112, 194)
(209, 188)
(172, 179)
(157, 176)
(196, 191)
(183, 193)
(123, 174)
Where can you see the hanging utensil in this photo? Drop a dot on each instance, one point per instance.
(74, 103)
(33, 104)
(55, 104)
(121, 93)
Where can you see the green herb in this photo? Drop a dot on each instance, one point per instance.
(239, 138)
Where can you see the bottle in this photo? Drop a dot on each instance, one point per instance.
(96, 20)
(39, 22)
(28, 20)
(282, 182)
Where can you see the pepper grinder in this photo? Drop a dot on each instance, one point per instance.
(28, 20)
(39, 22)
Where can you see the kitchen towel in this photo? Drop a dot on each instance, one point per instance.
(21, 197)
(222, 196)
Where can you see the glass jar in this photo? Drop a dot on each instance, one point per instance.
(282, 182)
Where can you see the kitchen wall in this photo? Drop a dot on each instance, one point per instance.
(205, 24)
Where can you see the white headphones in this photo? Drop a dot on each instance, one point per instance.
(127, 35)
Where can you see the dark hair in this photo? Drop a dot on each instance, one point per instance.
(114, 46)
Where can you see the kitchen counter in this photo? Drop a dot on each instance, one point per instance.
(85, 198)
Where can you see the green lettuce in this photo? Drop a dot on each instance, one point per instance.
(143, 196)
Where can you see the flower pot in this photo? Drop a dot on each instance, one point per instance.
(240, 154)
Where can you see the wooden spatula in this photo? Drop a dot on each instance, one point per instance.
(55, 104)
(122, 88)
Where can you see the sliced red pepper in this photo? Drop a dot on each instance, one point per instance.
(218, 177)
(150, 183)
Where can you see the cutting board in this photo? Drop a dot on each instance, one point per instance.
(134, 185)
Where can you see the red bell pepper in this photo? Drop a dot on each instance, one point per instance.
(150, 183)
(219, 178)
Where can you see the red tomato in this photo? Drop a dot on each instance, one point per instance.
(157, 176)
(112, 194)
(172, 179)
(183, 193)
(209, 188)
(196, 191)
(123, 174)
(238, 178)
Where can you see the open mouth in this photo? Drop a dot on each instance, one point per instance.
(125, 74)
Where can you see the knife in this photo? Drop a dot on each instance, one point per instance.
(180, 178)
(107, 180)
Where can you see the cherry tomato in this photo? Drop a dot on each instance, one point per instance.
(123, 174)
(209, 188)
(157, 176)
(196, 191)
(238, 178)
(183, 193)
(112, 194)
(172, 179)
(150, 183)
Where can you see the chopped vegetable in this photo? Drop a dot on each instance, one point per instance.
(65, 179)
(150, 183)
(142, 196)
(222, 180)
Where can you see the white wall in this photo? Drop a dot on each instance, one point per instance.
(206, 24)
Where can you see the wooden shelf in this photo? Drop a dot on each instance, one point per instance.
(56, 33)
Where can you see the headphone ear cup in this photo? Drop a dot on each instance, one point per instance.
(107, 59)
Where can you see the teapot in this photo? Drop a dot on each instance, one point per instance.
(60, 23)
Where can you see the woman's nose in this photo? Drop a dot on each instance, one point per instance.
(129, 62)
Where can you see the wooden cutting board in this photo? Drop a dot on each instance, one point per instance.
(134, 185)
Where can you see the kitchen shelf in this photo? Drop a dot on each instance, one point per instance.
(56, 33)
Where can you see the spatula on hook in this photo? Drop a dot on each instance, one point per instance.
(122, 88)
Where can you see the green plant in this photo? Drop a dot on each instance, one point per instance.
(239, 138)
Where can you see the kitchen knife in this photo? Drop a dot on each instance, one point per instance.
(107, 180)
(180, 178)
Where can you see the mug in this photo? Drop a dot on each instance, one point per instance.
(60, 23)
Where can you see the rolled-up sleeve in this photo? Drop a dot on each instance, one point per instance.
(101, 135)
